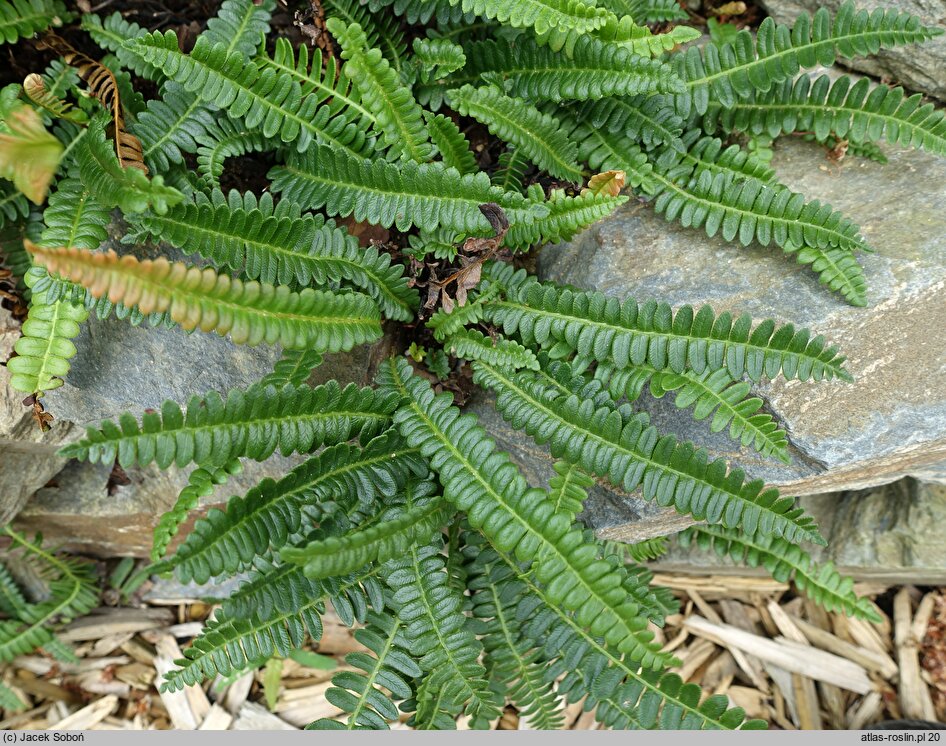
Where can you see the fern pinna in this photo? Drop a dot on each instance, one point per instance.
(470, 587)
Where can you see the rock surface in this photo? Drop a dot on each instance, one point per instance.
(892, 421)
(917, 67)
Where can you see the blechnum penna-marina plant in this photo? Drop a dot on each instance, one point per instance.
(471, 587)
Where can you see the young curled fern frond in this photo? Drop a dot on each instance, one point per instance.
(517, 122)
(734, 70)
(483, 482)
(427, 195)
(628, 333)
(249, 423)
(821, 583)
(276, 244)
(252, 313)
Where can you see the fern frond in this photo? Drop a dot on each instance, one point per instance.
(445, 324)
(510, 175)
(821, 583)
(647, 11)
(13, 204)
(614, 442)
(482, 482)
(74, 217)
(73, 590)
(858, 112)
(23, 18)
(111, 34)
(115, 186)
(172, 125)
(405, 194)
(595, 70)
(438, 633)
(514, 120)
(471, 344)
(292, 369)
(227, 140)
(568, 489)
(629, 333)
(725, 73)
(391, 667)
(541, 15)
(261, 96)
(396, 113)
(241, 25)
(10, 701)
(454, 148)
(272, 511)
(382, 30)
(652, 120)
(437, 57)
(44, 350)
(625, 31)
(397, 530)
(251, 313)
(34, 86)
(709, 154)
(421, 11)
(200, 483)
(567, 216)
(29, 155)
(276, 244)
(714, 393)
(251, 423)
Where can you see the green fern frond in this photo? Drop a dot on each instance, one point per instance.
(251, 313)
(514, 120)
(200, 483)
(567, 216)
(709, 154)
(74, 217)
(391, 667)
(241, 25)
(171, 126)
(111, 34)
(714, 393)
(397, 529)
(625, 31)
(858, 112)
(445, 324)
(541, 15)
(725, 73)
(821, 583)
(226, 140)
(651, 120)
(643, 551)
(113, 186)
(454, 148)
(13, 204)
(438, 634)
(73, 590)
(293, 368)
(44, 350)
(250, 423)
(629, 333)
(10, 701)
(648, 11)
(23, 18)
(395, 111)
(624, 447)
(272, 511)
(595, 70)
(568, 489)
(275, 244)
(510, 175)
(437, 57)
(471, 344)
(482, 482)
(405, 194)
(261, 97)
(422, 11)
(382, 30)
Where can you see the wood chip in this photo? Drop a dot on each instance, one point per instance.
(304, 705)
(869, 710)
(237, 693)
(89, 715)
(793, 657)
(735, 614)
(880, 663)
(186, 707)
(915, 700)
(109, 621)
(217, 719)
(256, 717)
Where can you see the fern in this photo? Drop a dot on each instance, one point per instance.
(226, 140)
(251, 312)
(594, 71)
(540, 15)
(426, 195)
(785, 562)
(171, 126)
(293, 368)
(275, 244)
(733, 70)
(515, 121)
(241, 25)
(272, 511)
(630, 334)
(450, 142)
(483, 483)
(568, 488)
(23, 18)
(392, 667)
(251, 423)
(617, 444)
(473, 345)
(567, 217)
(854, 111)
(382, 30)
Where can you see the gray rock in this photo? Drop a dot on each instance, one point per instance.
(892, 421)
(891, 534)
(917, 67)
